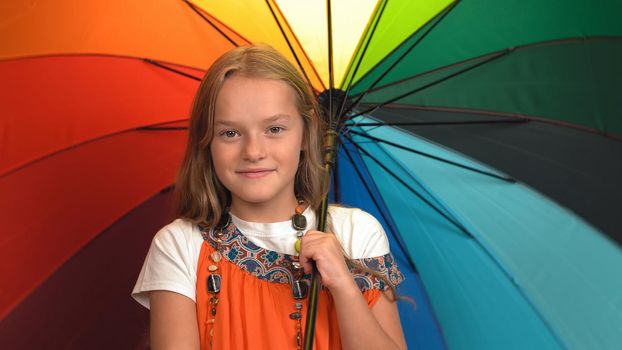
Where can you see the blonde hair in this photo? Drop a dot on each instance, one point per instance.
(200, 197)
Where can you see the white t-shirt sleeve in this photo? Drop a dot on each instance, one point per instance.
(171, 262)
(359, 233)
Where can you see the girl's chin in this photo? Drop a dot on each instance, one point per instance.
(255, 199)
(260, 197)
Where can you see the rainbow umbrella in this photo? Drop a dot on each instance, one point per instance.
(485, 135)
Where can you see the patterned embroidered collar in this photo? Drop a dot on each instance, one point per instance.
(277, 267)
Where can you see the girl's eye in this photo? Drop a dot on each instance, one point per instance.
(275, 130)
(229, 134)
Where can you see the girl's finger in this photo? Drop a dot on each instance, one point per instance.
(310, 248)
(304, 259)
(322, 248)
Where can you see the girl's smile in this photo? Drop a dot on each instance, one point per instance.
(255, 173)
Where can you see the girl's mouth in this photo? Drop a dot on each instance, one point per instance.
(254, 173)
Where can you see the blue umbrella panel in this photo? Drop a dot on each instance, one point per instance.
(491, 263)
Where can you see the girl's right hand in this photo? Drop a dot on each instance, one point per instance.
(325, 250)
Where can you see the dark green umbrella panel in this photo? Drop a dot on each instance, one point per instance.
(506, 83)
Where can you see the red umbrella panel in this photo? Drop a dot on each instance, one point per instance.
(87, 156)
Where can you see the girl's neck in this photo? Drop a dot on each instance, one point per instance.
(264, 212)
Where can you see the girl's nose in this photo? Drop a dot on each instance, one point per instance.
(254, 148)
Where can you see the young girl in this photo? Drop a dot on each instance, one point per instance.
(232, 272)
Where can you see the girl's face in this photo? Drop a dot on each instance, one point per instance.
(257, 140)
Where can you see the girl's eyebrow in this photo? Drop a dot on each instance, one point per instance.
(271, 119)
(278, 117)
(224, 123)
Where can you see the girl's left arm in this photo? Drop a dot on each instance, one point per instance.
(360, 327)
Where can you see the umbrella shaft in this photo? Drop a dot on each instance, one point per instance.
(330, 149)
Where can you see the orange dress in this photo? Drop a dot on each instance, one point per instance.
(255, 305)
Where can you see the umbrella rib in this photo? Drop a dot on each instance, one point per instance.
(520, 118)
(82, 143)
(385, 216)
(440, 159)
(176, 71)
(462, 71)
(438, 19)
(331, 73)
(426, 73)
(453, 122)
(162, 128)
(514, 48)
(289, 44)
(360, 60)
(210, 22)
(411, 189)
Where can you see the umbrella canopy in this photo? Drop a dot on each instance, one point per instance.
(95, 97)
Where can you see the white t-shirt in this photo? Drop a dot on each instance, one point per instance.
(171, 263)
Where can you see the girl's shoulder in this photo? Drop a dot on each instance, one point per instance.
(171, 262)
(181, 236)
(340, 212)
(179, 230)
(360, 233)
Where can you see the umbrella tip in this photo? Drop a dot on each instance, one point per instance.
(337, 98)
